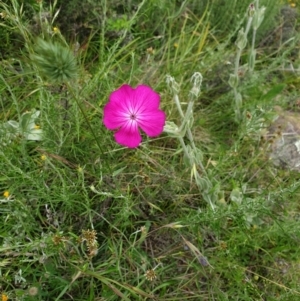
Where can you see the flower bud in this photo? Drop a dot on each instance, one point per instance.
(258, 17)
(173, 85)
(197, 82)
(241, 41)
(251, 10)
(233, 81)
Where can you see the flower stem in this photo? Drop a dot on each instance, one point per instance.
(88, 123)
(177, 102)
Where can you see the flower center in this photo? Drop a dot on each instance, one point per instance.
(132, 116)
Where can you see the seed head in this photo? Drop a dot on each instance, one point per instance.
(150, 275)
(33, 291)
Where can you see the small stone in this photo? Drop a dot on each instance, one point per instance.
(285, 136)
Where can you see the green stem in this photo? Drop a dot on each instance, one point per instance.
(185, 150)
(177, 102)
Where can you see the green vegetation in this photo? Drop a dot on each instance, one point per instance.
(198, 213)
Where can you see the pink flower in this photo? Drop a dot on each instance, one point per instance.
(129, 109)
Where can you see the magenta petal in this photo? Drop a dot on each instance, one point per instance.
(113, 117)
(122, 99)
(117, 110)
(119, 96)
(145, 98)
(130, 139)
(152, 123)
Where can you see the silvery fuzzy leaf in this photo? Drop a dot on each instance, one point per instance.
(35, 134)
(12, 124)
(28, 126)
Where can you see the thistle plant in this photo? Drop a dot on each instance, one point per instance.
(192, 154)
(255, 18)
(55, 62)
(56, 65)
